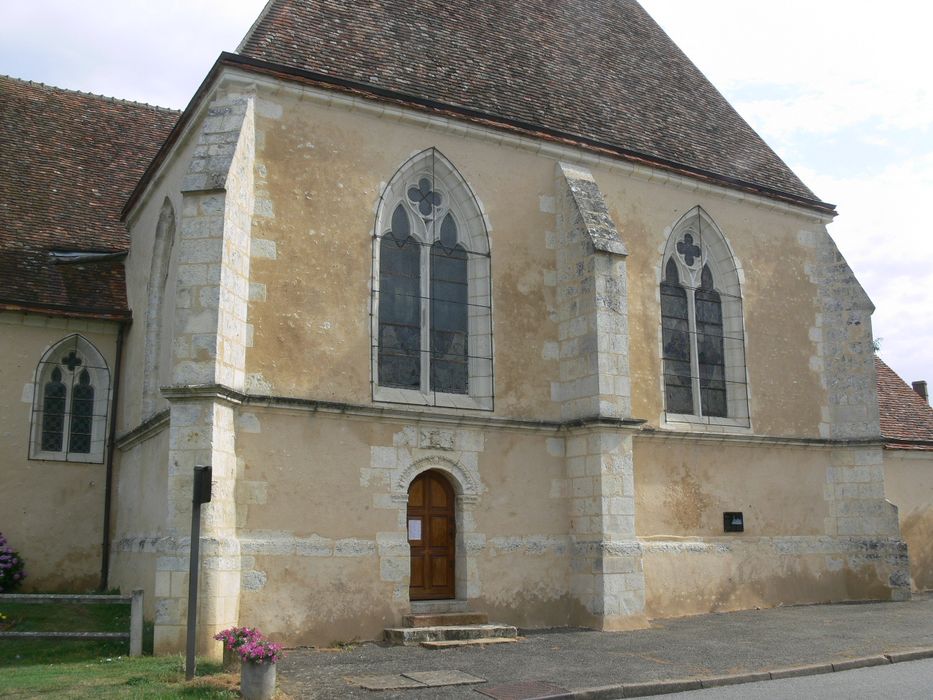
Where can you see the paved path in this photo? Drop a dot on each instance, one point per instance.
(704, 645)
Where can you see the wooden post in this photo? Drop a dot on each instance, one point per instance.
(136, 623)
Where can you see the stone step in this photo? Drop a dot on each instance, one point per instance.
(430, 607)
(468, 642)
(408, 636)
(445, 619)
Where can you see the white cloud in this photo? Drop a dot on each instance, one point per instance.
(843, 91)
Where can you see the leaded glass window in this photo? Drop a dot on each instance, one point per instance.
(82, 412)
(53, 412)
(702, 332)
(400, 305)
(433, 325)
(71, 403)
(678, 382)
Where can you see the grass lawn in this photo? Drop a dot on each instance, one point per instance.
(94, 669)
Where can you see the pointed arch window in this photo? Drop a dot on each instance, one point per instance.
(71, 401)
(432, 332)
(702, 326)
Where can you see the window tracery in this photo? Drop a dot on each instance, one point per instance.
(702, 327)
(72, 389)
(432, 323)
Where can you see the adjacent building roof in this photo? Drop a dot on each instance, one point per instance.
(906, 419)
(69, 161)
(601, 70)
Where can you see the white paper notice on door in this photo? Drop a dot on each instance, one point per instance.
(414, 529)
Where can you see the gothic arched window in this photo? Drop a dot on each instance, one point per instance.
(702, 327)
(70, 404)
(432, 326)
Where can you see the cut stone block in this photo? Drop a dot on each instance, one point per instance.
(383, 682)
(439, 678)
(468, 642)
(417, 635)
(442, 619)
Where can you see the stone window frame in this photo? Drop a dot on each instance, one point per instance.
(473, 230)
(97, 368)
(160, 310)
(728, 276)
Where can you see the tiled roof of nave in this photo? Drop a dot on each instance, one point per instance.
(598, 69)
(905, 417)
(69, 161)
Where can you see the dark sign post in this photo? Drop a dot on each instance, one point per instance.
(201, 494)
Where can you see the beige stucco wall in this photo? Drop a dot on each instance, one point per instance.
(325, 552)
(321, 170)
(785, 555)
(51, 512)
(908, 484)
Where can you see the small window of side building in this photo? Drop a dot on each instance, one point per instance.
(71, 399)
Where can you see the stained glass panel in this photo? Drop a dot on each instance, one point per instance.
(82, 412)
(710, 351)
(53, 413)
(449, 319)
(399, 363)
(675, 338)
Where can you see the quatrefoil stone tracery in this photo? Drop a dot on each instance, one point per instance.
(689, 252)
(424, 197)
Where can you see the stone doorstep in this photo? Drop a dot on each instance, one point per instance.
(468, 642)
(446, 633)
(445, 619)
(432, 607)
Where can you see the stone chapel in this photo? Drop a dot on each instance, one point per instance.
(494, 307)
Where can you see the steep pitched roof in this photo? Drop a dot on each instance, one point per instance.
(601, 70)
(906, 419)
(70, 160)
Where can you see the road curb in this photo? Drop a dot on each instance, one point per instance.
(638, 690)
(895, 657)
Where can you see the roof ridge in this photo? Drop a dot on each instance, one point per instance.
(107, 98)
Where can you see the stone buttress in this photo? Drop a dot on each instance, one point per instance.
(594, 393)
(209, 351)
(863, 522)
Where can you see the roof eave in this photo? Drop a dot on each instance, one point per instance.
(372, 92)
(67, 311)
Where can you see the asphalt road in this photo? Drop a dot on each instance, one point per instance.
(904, 681)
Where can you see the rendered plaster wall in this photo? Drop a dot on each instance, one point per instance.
(817, 527)
(320, 172)
(321, 503)
(52, 512)
(140, 515)
(783, 309)
(908, 484)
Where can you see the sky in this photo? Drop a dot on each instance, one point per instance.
(842, 90)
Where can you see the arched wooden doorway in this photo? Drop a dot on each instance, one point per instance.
(431, 536)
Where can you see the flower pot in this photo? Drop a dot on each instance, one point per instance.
(257, 680)
(231, 660)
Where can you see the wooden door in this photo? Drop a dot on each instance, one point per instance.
(431, 537)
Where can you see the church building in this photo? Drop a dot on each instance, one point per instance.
(494, 307)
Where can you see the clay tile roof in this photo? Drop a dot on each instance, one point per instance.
(598, 69)
(69, 161)
(906, 419)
